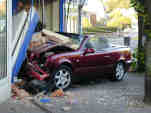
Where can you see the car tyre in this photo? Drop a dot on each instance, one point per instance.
(62, 77)
(119, 71)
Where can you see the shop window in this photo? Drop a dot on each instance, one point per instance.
(3, 40)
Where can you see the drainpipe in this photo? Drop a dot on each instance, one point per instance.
(61, 10)
(43, 14)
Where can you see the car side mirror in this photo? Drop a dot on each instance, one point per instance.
(89, 50)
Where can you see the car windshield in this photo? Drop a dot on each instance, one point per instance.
(97, 43)
(74, 42)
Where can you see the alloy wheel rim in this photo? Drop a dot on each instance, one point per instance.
(62, 78)
(120, 71)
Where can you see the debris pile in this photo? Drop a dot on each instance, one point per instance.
(42, 99)
(58, 93)
(18, 93)
(37, 40)
(23, 89)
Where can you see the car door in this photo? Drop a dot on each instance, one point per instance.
(104, 55)
(88, 63)
(105, 61)
(98, 62)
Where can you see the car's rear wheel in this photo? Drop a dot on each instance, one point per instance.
(62, 77)
(119, 71)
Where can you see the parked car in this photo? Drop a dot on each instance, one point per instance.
(77, 56)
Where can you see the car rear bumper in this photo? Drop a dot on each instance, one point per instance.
(128, 64)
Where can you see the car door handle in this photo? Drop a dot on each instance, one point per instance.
(107, 56)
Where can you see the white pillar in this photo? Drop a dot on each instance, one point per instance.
(55, 15)
(5, 83)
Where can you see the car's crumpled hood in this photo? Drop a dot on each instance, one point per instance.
(51, 40)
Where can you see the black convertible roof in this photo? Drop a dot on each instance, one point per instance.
(73, 35)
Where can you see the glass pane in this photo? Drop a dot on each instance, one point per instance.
(3, 40)
(99, 43)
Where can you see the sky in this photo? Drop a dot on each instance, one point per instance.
(1, 0)
(95, 6)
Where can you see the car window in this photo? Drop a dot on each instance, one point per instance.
(88, 45)
(97, 43)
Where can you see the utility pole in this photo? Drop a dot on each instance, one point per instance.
(80, 6)
(79, 19)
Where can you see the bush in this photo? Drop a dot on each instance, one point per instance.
(135, 66)
(99, 29)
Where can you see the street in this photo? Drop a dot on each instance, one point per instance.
(91, 96)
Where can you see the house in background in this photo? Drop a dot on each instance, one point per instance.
(71, 16)
(93, 19)
(88, 19)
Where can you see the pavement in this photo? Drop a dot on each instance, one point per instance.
(91, 96)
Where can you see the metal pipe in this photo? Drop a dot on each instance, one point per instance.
(43, 13)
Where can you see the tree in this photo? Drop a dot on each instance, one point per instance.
(148, 51)
(86, 23)
(140, 11)
(143, 7)
(116, 18)
(114, 4)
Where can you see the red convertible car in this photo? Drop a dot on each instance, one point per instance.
(77, 56)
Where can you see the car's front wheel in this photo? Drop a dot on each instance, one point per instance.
(62, 77)
(119, 71)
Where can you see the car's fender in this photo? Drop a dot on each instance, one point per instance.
(121, 58)
(62, 61)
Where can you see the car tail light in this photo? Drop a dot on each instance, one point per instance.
(130, 56)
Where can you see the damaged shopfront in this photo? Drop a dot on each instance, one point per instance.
(20, 20)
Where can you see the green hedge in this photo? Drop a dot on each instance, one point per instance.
(99, 29)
